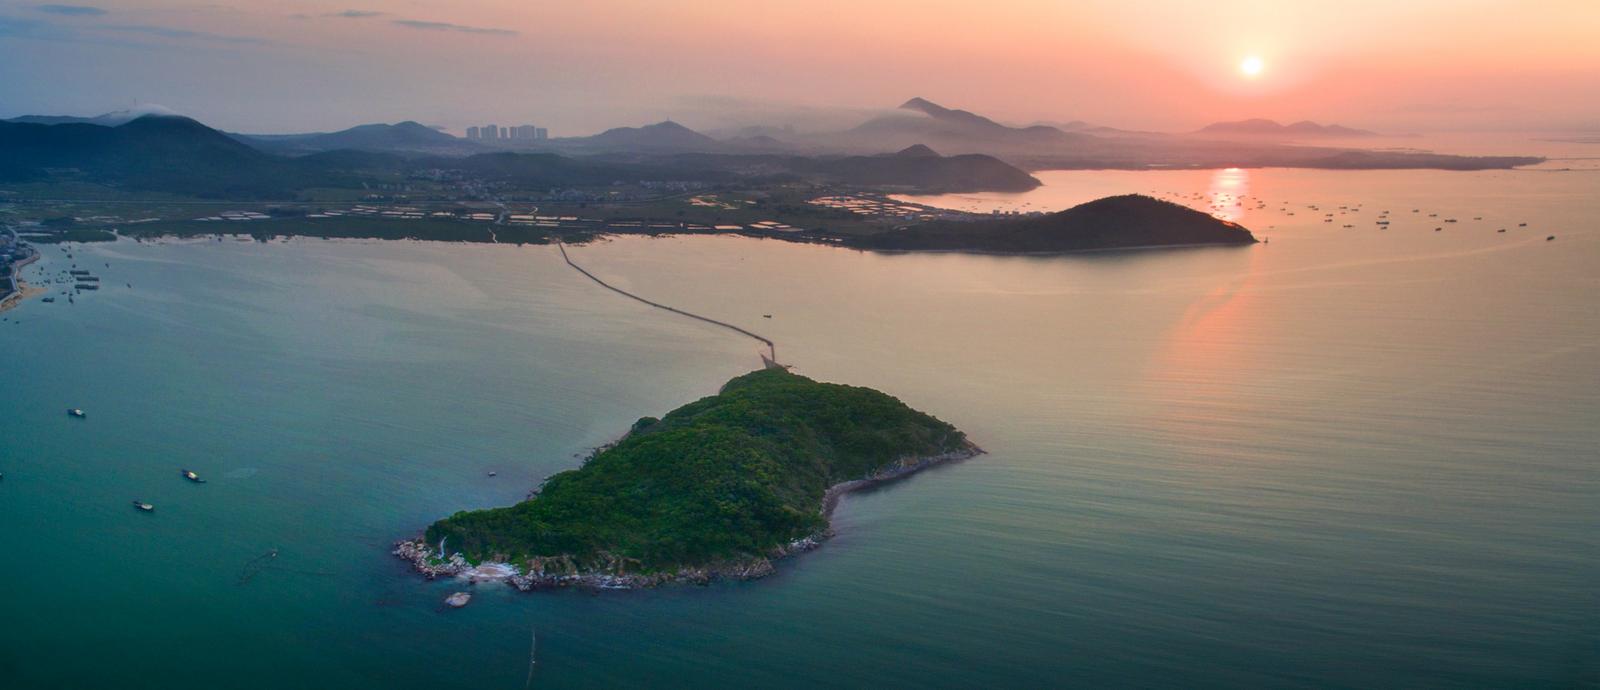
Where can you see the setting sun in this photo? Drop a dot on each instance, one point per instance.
(1251, 66)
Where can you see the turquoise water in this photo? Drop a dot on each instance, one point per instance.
(1349, 457)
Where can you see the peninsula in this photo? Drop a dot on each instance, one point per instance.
(1117, 222)
(715, 489)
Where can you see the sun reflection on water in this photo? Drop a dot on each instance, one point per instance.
(1230, 187)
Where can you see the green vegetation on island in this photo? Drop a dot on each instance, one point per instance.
(1117, 222)
(713, 488)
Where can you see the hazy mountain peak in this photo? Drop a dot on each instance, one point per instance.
(162, 121)
(111, 119)
(917, 151)
(661, 135)
(1263, 127)
(939, 112)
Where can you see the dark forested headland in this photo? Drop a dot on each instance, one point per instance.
(1118, 222)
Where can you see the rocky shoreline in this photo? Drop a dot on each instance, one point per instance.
(562, 571)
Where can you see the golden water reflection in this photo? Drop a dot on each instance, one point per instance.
(1228, 195)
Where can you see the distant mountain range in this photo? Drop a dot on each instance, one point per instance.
(406, 137)
(152, 152)
(662, 136)
(166, 152)
(179, 155)
(1268, 128)
(921, 121)
(923, 168)
(111, 119)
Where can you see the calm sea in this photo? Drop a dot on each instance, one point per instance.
(1349, 457)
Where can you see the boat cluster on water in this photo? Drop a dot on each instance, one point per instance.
(1232, 207)
(73, 281)
(144, 506)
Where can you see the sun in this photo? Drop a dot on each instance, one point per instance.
(1252, 66)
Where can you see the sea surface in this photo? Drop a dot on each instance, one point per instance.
(1348, 457)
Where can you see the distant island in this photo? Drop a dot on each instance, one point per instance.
(717, 488)
(1117, 222)
(1260, 127)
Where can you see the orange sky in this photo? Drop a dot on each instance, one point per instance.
(580, 67)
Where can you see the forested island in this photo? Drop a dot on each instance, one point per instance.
(717, 488)
(1117, 222)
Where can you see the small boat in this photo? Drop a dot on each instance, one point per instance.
(75, 412)
(141, 505)
(492, 474)
(191, 476)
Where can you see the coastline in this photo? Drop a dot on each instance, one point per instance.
(24, 291)
(561, 571)
(21, 290)
(1060, 252)
(854, 243)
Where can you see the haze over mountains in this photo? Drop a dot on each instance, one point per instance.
(1304, 129)
(920, 145)
(110, 119)
(179, 155)
(408, 136)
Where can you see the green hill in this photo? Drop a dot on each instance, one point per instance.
(1116, 222)
(714, 487)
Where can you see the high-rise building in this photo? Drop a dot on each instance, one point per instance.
(517, 133)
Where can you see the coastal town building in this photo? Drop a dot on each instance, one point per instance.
(498, 133)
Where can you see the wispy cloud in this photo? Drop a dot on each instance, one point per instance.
(186, 34)
(1454, 107)
(356, 14)
(71, 10)
(446, 26)
(32, 28)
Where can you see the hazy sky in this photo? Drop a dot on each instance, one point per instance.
(579, 67)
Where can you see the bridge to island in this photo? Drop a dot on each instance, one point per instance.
(770, 358)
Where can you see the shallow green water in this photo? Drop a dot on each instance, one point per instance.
(1348, 457)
